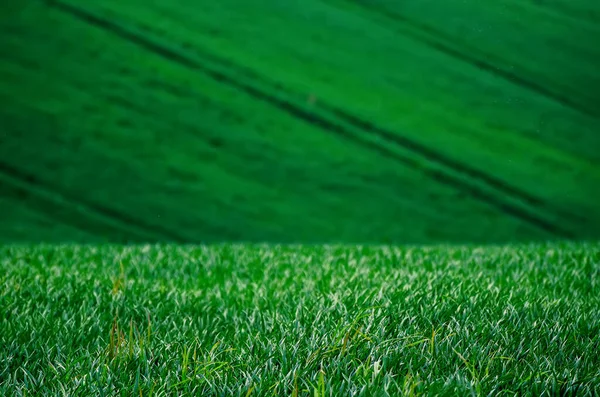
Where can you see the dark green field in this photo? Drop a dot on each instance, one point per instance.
(299, 121)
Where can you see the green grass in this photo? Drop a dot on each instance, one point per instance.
(299, 121)
(300, 320)
(454, 121)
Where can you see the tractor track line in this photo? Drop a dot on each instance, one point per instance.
(101, 211)
(436, 157)
(480, 63)
(311, 118)
(54, 210)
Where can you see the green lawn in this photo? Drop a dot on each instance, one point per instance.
(299, 121)
(300, 320)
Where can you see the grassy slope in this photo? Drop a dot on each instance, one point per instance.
(174, 121)
(365, 320)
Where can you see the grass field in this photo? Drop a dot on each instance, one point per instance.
(299, 121)
(287, 142)
(326, 320)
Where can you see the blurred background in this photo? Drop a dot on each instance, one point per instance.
(356, 121)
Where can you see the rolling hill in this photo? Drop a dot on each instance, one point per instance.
(299, 121)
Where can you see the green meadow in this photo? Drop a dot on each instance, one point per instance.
(299, 121)
(299, 197)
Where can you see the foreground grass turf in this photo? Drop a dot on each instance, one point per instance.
(270, 320)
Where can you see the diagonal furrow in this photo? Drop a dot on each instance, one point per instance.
(56, 210)
(436, 157)
(425, 34)
(128, 224)
(339, 128)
